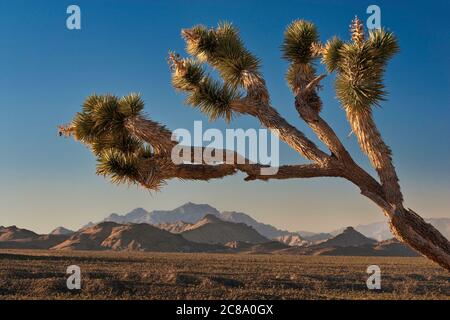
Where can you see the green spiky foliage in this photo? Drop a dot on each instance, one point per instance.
(384, 45)
(102, 118)
(223, 49)
(101, 126)
(297, 48)
(120, 167)
(298, 39)
(359, 84)
(331, 53)
(208, 95)
(360, 67)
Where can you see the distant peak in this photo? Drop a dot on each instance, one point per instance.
(139, 209)
(61, 231)
(191, 204)
(191, 207)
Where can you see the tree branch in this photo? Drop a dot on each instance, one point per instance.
(304, 101)
(157, 135)
(164, 169)
(301, 171)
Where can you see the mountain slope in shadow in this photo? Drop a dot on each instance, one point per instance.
(213, 230)
(16, 238)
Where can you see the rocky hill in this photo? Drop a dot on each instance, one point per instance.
(16, 238)
(213, 230)
(348, 238)
(14, 233)
(292, 240)
(266, 230)
(62, 231)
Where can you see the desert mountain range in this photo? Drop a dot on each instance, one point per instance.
(202, 228)
(191, 213)
(209, 234)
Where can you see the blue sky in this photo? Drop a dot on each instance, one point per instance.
(48, 70)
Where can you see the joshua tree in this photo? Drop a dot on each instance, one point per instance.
(131, 148)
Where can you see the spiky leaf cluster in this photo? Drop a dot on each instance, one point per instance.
(300, 47)
(119, 166)
(101, 126)
(359, 84)
(384, 45)
(189, 76)
(212, 97)
(102, 119)
(223, 49)
(331, 55)
(298, 40)
(360, 66)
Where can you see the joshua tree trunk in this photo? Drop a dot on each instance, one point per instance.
(409, 227)
(405, 224)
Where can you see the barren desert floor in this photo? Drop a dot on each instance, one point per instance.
(41, 274)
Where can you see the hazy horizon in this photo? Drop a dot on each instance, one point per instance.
(48, 71)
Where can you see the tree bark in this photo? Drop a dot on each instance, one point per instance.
(377, 151)
(157, 135)
(410, 228)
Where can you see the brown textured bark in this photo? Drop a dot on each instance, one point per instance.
(322, 130)
(161, 168)
(151, 132)
(409, 227)
(271, 119)
(378, 152)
